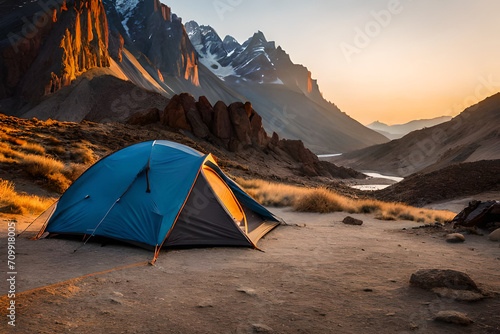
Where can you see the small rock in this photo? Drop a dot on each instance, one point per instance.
(204, 304)
(435, 278)
(115, 301)
(495, 235)
(453, 317)
(391, 314)
(460, 295)
(119, 294)
(261, 328)
(414, 327)
(352, 221)
(64, 323)
(300, 225)
(368, 290)
(248, 291)
(455, 238)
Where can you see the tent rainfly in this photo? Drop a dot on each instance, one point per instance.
(159, 193)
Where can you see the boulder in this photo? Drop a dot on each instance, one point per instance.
(275, 139)
(261, 328)
(174, 115)
(455, 238)
(247, 290)
(206, 110)
(352, 221)
(248, 109)
(240, 121)
(453, 317)
(435, 278)
(187, 101)
(221, 126)
(257, 133)
(145, 117)
(200, 129)
(495, 235)
(297, 150)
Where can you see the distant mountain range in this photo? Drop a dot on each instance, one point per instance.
(284, 93)
(473, 135)
(397, 131)
(104, 60)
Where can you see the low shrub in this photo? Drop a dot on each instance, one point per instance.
(40, 166)
(322, 200)
(13, 202)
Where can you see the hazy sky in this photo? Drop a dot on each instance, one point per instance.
(392, 61)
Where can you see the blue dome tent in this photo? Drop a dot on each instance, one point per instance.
(160, 194)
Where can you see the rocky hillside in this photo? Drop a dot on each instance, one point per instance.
(473, 135)
(465, 179)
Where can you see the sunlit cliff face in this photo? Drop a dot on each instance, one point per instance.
(85, 43)
(190, 63)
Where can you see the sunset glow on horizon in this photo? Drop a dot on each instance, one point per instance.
(392, 61)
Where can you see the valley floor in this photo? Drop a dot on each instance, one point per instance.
(316, 275)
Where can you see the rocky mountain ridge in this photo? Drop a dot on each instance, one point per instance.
(84, 43)
(397, 131)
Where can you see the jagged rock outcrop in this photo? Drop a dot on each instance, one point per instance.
(150, 29)
(237, 128)
(59, 41)
(234, 126)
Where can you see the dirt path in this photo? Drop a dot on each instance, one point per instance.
(325, 277)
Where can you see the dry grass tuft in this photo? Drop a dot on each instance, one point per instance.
(34, 148)
(57, 150)
(40, 166)
(58, 182)
(53, 140)
(73, 171)
(81, 153)
(13, 202)
(318, 200)
(8, 160)
(11, 139)
(8, 152)
(323, 200)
